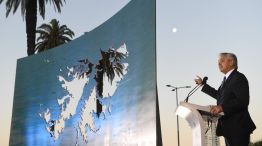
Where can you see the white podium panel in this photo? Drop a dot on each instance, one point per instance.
(202, 123)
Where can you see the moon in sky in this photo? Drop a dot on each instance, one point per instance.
(174, 30)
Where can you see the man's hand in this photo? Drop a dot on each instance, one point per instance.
(199, 81)
(215, 110)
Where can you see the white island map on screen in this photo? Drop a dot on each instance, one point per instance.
(78, 76)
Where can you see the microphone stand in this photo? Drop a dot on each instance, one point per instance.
(196, 88)
(192, 92)
(177, 120)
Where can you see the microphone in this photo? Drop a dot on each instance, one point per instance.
(204, 81)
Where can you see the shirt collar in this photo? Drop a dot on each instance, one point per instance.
(228, 73)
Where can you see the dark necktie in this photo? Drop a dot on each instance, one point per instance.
(223, 82)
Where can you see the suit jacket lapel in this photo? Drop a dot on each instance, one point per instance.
(230, 77)
(224, 88)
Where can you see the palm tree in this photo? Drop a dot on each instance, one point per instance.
(52, 35)
(108, 65)
(29, 12)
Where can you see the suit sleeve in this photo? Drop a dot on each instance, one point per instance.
(210, 91)
(239, 97)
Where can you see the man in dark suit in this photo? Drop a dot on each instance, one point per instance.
(232, 98)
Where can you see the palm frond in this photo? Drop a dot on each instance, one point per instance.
(41, 8)
(53, 34)
(12, 4)
(57, 4)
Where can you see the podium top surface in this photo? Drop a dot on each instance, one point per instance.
(195, 106)
(200, 108)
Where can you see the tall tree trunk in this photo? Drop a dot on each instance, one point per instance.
(99, 88)
(31, 19)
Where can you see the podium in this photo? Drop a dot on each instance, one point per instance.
(202, 123)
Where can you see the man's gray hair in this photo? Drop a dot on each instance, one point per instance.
(232, 56)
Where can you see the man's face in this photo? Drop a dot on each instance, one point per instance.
(225, 64)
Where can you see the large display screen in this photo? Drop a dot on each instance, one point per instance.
(99, 89)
